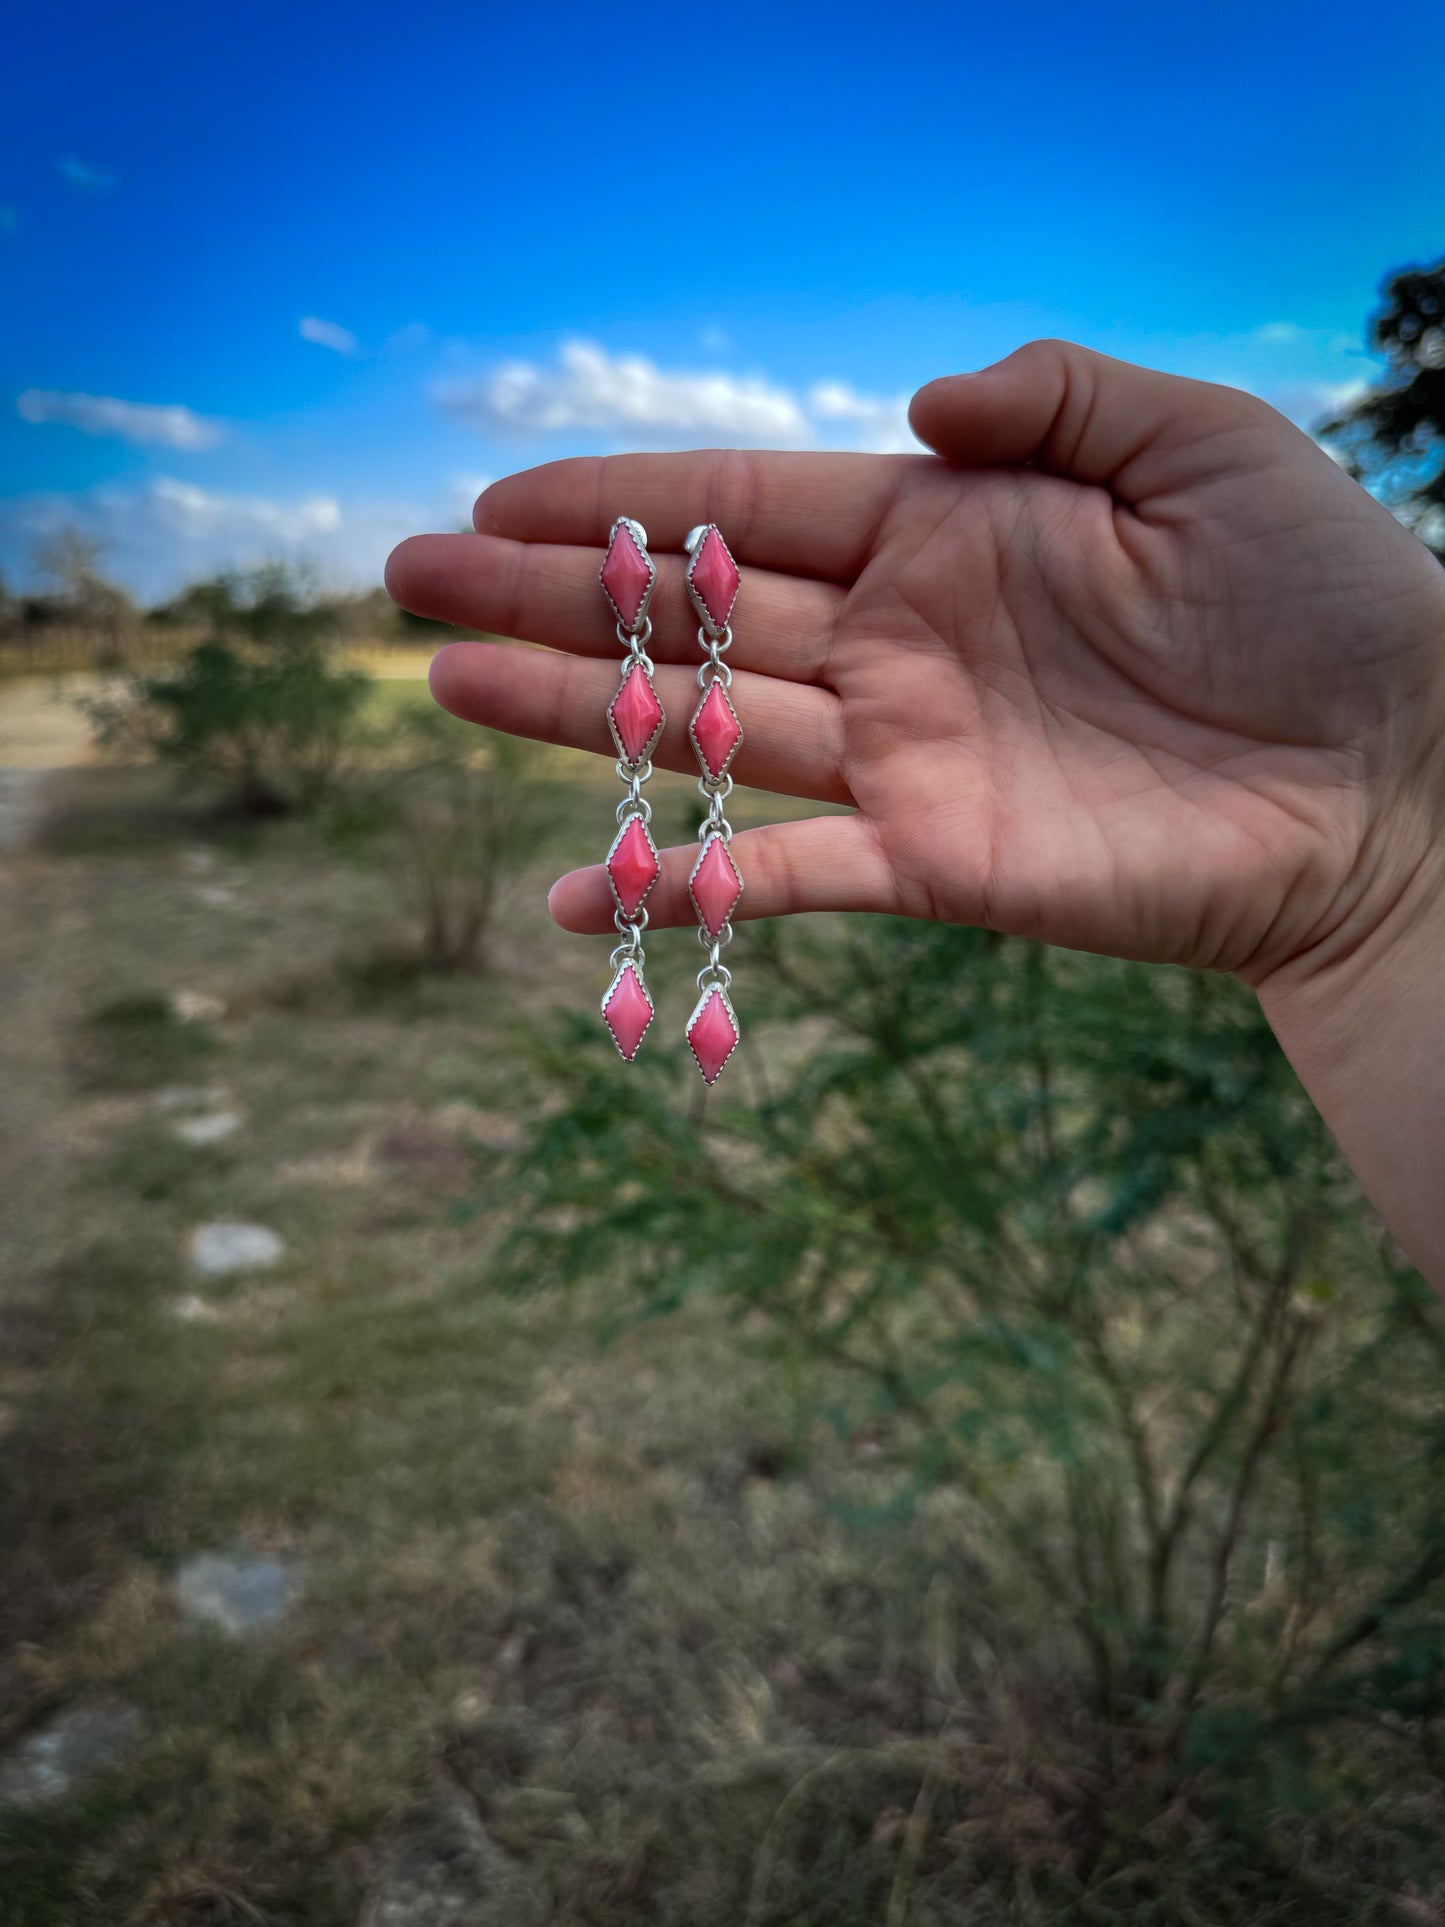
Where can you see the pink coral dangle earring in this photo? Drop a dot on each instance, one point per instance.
(635, 719)
(715, 884)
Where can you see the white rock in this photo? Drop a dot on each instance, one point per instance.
(235, 1592)
(210, 1128)
(73, 1746)
(196, 1007)
(229, 1245)
(192, 1310)
(189, 1097)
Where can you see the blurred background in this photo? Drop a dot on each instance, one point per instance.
(984, 1462)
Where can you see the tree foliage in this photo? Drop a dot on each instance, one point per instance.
(259, 707)
(1068, 1235)
(1393, 436)
(452, 814)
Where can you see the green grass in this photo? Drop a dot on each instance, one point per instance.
(567, 1574)
(656, 1615)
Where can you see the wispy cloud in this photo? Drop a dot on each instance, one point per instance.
(465, 490)
(1309, 403)
(1279, 332)
(328, 334)
(143, 423)
(1303, 340)
(194, 512)
(168, 532)
(84, 178)
(878, 423)
(588, 390)
(415, 334)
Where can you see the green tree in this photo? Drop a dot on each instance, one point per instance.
(1067, 1233)
(69, 560)
(260, 706)
(1393, 436)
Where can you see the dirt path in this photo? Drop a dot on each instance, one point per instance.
(41, 729)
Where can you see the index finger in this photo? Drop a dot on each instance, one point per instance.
(807, 514)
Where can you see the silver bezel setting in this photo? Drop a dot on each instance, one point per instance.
(708, 842)
(633, 763)
(711, 775)
(622, 970)
(696, 541)
(639, 536)
(636, 816)
(714, 990)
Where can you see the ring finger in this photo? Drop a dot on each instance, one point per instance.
(792, 732)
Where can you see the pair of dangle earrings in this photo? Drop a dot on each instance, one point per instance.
(635, 718)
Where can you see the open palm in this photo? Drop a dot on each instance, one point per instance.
(1133, 668)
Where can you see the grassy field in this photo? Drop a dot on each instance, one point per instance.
(580, 1632)
(572, 1583)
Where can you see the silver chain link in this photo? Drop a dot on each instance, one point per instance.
(635, 643)
(715, 792)
(630, 929)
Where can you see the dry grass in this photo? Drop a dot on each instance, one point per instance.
(643, 1608)
(571, 1578)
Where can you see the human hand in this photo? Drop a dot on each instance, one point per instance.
(1135, 668)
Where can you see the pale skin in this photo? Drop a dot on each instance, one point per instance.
(1128, 665)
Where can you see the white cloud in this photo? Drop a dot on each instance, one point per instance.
(588, 389)
(328, 334)
(133, 421)
(89, 180)
(195, 512)
(1279, 332)
(879, 422)
(465, 490)
(630, 399)
(415, 334)
(1308, 403)
(169, 532)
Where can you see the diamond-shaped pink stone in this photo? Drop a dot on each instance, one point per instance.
(635, 715)
(713, 1035)
(627, 1010)
(715, 885)
(626, 573)
(716, 731)
(714, 575)
(633, 866)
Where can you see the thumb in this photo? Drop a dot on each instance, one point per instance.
(1091, 418)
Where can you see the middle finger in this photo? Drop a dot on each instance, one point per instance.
(547, 593)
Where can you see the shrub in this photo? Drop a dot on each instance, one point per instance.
(259, 706)
(1081, 1253)
(451, 813)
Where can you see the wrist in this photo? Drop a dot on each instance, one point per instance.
(1362, 1020)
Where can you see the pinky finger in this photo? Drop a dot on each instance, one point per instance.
(822, 863)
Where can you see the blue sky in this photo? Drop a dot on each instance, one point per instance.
(295, 279)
